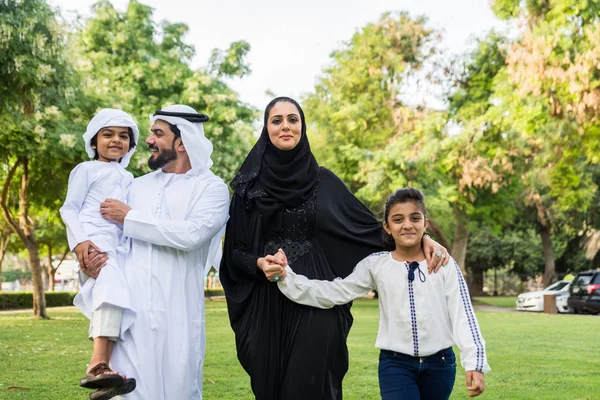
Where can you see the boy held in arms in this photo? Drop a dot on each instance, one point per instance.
(110, 139)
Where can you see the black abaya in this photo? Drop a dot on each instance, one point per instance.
(290, 351)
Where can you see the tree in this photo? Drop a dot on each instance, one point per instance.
(130, 62)
(52, 235)
(356, 106)
(5, 235)
(37, 83)
(553, 101)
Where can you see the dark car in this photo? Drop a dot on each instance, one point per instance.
(584, 293)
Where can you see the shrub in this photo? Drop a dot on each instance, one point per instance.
(21, 300)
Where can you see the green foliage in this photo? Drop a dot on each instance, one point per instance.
(130, 62)
(15, 275)
(356, 105)
(24, 300)
(32, 68)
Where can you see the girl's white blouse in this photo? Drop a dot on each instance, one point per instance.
(415, 317)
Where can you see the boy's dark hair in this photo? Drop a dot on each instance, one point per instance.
(94, 141)
(403, 195)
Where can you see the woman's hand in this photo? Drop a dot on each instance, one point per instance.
(435, 254)
(273, 266)
(475, 383)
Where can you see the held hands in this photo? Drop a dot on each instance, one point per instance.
(435, 254)
(475, 383)
(114, 210)
(273, 266)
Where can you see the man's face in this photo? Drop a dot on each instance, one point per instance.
(162, 142)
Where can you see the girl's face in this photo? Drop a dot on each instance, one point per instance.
(112, 143)
(284, 125)
(406, 223)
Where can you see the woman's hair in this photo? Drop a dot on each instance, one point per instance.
(403, 195)
(94, 142)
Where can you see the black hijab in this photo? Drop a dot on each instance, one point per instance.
(288, 177)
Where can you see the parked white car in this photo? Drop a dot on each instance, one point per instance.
(534, 301)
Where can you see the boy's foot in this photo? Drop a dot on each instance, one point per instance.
(127, 386)
(101, 376)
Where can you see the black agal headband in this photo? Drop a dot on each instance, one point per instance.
(194, 118)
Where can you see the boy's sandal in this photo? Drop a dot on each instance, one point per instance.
(98, 378)
(127, 386)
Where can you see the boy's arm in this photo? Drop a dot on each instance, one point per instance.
(326, 294)
(69, 212)
(465, 328)
(208, 217)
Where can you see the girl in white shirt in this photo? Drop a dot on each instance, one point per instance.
(421, 315)
(110, 140)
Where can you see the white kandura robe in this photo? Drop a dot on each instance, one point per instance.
(175, 226)
(90, 183)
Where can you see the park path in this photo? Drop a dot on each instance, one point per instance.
(494, 308)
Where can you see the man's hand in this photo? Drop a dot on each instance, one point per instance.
(82, 250)
(434, 261)
(114, 210)
(475, 383)
(96, 261)
(273, 266)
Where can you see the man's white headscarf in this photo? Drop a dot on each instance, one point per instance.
(111, 117)
(197, 146)
(198, 149)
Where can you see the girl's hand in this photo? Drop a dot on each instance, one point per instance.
(435, 254)
(475, 383)
(273, 266)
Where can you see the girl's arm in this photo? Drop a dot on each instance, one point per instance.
(326, 294)
(465, 328)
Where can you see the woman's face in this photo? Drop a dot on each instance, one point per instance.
(284, 125)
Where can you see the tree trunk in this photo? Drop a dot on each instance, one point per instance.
(3, 246)
(25, 230)
(461, 236)
(39, 297)
(477, 281)
(439, 235)
(549, 266)
(50, 270)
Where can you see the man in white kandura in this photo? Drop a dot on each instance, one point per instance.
(175, 219)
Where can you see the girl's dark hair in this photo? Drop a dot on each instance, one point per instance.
(403, 195)
(94, 141)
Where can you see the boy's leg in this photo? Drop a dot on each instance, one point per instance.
(437, 376)
(106, 326)
(398, 376)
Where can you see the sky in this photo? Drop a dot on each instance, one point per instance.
(291, 41)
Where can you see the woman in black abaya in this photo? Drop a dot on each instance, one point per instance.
(283, 199)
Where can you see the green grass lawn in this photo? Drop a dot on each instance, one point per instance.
(498, 301)
(533, 356)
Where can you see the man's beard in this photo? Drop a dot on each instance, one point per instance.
(163, 158)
